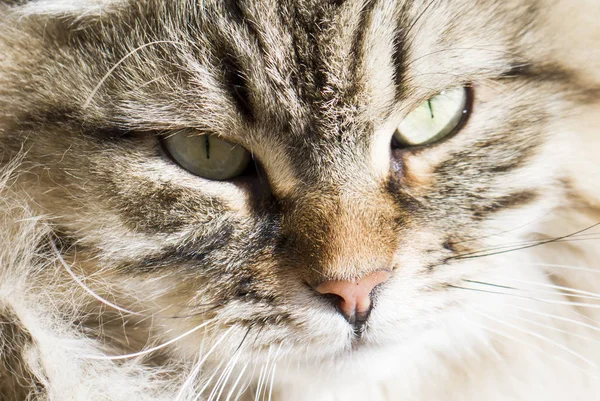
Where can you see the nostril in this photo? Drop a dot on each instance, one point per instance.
(333, 298)
(349, 312)
(353, 297)
(338, 302)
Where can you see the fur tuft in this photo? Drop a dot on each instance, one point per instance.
(45, 356)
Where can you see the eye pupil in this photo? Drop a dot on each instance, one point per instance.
(207, 146)
(430, 108)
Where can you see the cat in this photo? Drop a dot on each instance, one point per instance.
(299, 200)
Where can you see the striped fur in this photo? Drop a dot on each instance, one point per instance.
(110, 249)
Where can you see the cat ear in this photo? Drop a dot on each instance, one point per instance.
(63, 7)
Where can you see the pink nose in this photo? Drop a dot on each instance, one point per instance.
(354, 297)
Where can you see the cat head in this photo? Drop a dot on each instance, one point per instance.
(318, 177)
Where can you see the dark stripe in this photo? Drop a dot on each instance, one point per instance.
(17, 382)
(240, 16)
(338, 3)
(399, 58)
(52, 115)
(235, 11)
(358, 43)
(517, 70)
(574, 84)
(196, 256)
(494, 156)
(237, 85)
(506, 166)
(306, 34)
(551, 72)
(401, 48)
(406, 203)
(230, 60)
(511, 201)
(159, 208)
(449, 245)
(15, 2)
(503, 164)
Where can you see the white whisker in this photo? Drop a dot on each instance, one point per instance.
(262, 376)
(546, 301)
(91, 292)
(243, 389)
(236, 383)
(564, 319)
(222, 382)
(152, 81)
(209, 381)
(530, 346)
(196, 370)
(556, 329)
(554, 286)
(190, 377)
(273, 370)
(538, 336)
(121, 61)
(578, 268)
(149, 350)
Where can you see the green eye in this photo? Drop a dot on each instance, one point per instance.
(434, 119)
(207, 156)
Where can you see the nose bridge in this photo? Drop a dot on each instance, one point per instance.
(342, 234)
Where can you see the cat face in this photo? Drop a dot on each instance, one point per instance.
(314, 92)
